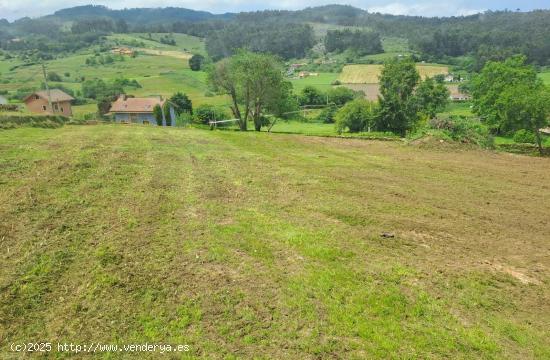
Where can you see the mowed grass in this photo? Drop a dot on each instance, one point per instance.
(323, 82)
(368, 74)
(264, 245)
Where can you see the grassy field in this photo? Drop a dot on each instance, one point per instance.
(263, 245)
(368, 74)
(322, 82)
(161, 70)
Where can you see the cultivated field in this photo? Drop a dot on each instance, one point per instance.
(368, 74)
(242, 244)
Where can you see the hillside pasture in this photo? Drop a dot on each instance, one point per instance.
(240, 244)
(368, 74)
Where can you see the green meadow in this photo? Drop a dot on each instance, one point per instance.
(239, 244)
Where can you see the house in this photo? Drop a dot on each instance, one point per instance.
(137, 110)
(39, 102)
(3, 100)
(449, 78)
(122, 51)
(456, 95)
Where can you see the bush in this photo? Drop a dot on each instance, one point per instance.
(53, 76)
(461, 129)
(355, 116)
(327, 115)
(47, 121)
(523, 136)
(184, 119)
(204, 113)
(341, 95)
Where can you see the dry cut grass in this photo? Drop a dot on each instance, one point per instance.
(265, 245)
(368, 74)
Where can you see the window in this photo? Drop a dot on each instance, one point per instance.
(36, 97)
(44, 107)
(56, 107)
(62, 110)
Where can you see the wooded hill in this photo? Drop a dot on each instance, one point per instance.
(289, 34)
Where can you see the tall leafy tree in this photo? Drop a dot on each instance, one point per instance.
(432, 97)
(398, 106)
(494, 80)
(181, 103)
(255, 84)
(526, 106)
(195, 62)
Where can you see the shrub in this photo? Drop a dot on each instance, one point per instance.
(461, 129)
(355, 116)
(341, 95)
(204, 113)
(523, 136)
(48, 121)
(53, 76)
(327, 114)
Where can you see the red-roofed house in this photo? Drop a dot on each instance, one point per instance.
(136, 110)
(38, 102)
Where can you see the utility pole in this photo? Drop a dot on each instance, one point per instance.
(47, 87)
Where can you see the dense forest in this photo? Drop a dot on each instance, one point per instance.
(288, 34)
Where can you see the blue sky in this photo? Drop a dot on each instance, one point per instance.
(14, 9)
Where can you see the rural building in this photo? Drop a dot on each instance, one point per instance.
(3, 100)
(122, 51)
(38, 102)
(457, 95)
(137, 110)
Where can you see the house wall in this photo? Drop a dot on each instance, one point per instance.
(134, 118)
(40, 106)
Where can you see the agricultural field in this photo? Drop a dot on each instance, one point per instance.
(323, 81)
(241, 244)
(368, 74)
(160, 69)
(186, 43)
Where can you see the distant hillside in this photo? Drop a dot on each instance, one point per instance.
(139, 15)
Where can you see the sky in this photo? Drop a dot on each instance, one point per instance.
(15, 9)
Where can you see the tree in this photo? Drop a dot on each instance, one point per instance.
(157, 113)
(53, 76)
(340, 95)
(195, 62)
(398, 108)
(254, 83)
(432, 97)
(181, 103)
(312, 96)
(492, 82)
(526, 106)
(355, 116)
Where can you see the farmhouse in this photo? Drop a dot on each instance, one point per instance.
(457, 95)
(122, 51)
(39, 102)
(137, 110)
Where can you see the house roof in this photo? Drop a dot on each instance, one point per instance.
(56, 95)
(135, 105)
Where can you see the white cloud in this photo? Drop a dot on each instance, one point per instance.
(438, 8)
